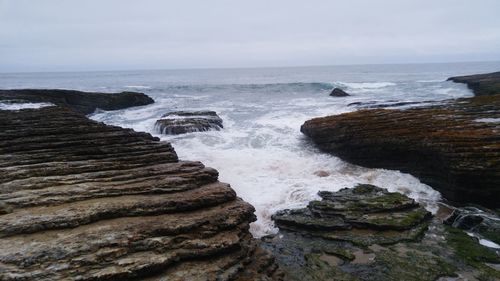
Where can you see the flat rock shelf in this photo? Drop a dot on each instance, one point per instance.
(81, 200)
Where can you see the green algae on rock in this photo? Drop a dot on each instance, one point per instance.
(364, 215)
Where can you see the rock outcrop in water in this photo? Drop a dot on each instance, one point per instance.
(368, 233)
(337, 92)
(84, 102)
(482, 84)
(181, 122)
(363, 215)
(453, 147)
(81, 200)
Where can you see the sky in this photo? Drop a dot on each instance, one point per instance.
(76, 35)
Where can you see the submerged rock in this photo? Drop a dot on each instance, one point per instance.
(452, 147)
(84, 102)
(80, 200)
(482, 84)
(181, 122)
(337, 92)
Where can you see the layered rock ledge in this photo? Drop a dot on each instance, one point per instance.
(84, 102)
(482, 84)
(80, 200)
(368, 233)
(454, 147)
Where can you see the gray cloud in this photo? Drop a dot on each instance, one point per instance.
(128, 34)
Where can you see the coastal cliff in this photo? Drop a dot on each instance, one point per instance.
(81, 200)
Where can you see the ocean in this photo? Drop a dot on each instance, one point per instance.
(261, 151)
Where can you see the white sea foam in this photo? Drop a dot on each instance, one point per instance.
(27, 105)
(488, 120)
(137, 87)
(261, 151)
(367, 85)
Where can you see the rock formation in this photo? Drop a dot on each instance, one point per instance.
(482, 84)
(84, 102)
(368, 233)
(337, 92)
(454, 147)
(181, 122)
(80, 200)
(363, 215)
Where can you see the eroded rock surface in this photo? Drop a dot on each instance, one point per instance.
(454, 147)
(84, 102)
(363, 215)
(368, 233)
(80, 200)
(181, 122)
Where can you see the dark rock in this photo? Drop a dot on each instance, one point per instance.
(84, 102)
(482, 84)
(80, 200)
(337, 92)
(447, 146)
(181, 122)
(364, 234)
(363, 215)
(483, 223)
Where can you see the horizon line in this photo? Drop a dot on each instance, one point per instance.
(243, 67)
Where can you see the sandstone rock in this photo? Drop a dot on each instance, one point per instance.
(337, 92)
(80, 200)
(482, 84)
(84, 102)
(181, 122)
(453, 147)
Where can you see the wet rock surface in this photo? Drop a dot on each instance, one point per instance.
(368, 233)
(337, 92)
(363, 215)
(453, 147)
(84, 102)
(80, 200)
(181, 122)
(482, 84)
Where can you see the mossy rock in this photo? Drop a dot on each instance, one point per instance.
(472, 253)
(411, 266)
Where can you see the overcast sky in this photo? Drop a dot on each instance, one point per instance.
(58, 35)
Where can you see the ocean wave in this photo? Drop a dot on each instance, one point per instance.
(249, 88)
(27, 105)
(137, 87)
(367, 85)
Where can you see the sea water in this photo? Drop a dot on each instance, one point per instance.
(261, 151)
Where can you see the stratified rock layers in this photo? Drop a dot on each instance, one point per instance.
(454, 147)
(81, 200)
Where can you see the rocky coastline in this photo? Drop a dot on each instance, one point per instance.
(83, 102)
(453, 146)
(81, 200)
